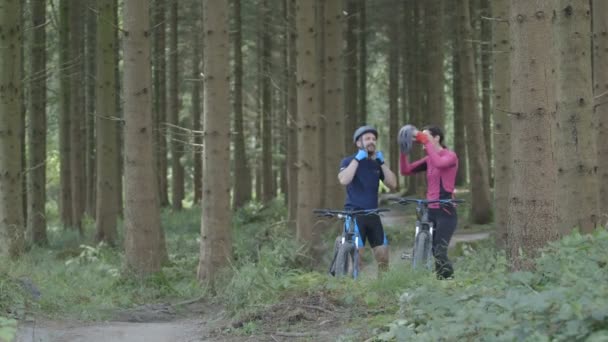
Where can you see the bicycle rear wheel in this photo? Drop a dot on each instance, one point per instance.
(422, 250)
(345, 260)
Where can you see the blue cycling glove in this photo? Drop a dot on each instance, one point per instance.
(362, 154)
(380, 157)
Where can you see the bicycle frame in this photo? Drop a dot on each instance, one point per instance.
(350, 231)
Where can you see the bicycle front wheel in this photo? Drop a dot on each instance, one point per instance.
(422, 250)
(345, 263)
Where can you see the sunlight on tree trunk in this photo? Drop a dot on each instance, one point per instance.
(600, 93)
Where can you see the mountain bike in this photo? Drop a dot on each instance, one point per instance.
(346, 249)
(422, 251)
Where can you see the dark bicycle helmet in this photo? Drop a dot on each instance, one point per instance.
(362, 130)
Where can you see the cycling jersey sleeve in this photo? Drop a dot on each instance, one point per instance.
(439, 161)
(407, 168)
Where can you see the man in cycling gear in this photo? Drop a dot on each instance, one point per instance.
(361, 173)
(441, 166)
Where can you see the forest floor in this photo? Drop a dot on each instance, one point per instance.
(309, 316)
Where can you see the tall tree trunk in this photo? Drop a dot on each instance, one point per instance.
(283, 94)
(351, 118)
(321, 187)
(77, 161)
(197, 155)
(216, 244)
(334, 102)
(65, 174)
(600, 92)
(36, 131)
(160, 98)
(574, 142)
(308, 120)
(393, 90)
(362, 87)
(414, 91)
(177, 173)
(12, 228)
(501, 47)
(90, 63)
(242, 173)
(435, 93)
(486, 70)
(144, 245)
(292, 118)
(460, 146)
(107, 127)
(481, 206)
(532, 201)
(120, 113)
(268, 191)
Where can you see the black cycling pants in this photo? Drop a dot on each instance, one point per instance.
(445, 220)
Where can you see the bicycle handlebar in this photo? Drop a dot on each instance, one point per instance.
(345, 213)
(406, 201)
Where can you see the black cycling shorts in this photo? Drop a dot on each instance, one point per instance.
(370, 229)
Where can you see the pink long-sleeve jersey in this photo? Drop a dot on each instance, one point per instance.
(441, 167)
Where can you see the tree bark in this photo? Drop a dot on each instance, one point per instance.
(532, 201)
(144, 245)
(486, 70)
(351, 117)
(12, 228)
(197, 155)
(574, 144)
(362, 35)
(600, 94)
(77, 158)
(292, 118)
(107, 125)
(393, 91)
(481, 207)
(160, 100)
(308, 120)
(90, 63)
(334, 102)
(501, 46)
(177, 170)
(216, 244)
(65, 174)
(36, 131)
(435, 56)
(268, 191)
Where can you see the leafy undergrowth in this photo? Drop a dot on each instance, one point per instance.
(564, 299)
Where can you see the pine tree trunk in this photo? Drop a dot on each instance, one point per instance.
(216, 244)
(481, 206)
(321, 187)
(351, 118)
(434, 25)
(574, 142)
(414, 91)
(501, 47)
(120, 113)
(177, 173)
(36, 131)
(90, 63)
(334, 102)
(268, 192)
(107, 125)
(292, 118)
(486, 91)
(460, 146)
(600, 92)
(12, 228)
(283, 94)
(144, 245)
(393, 91)
(362, 87)
(197, 155)
(160, 98)
(242, 173)
(308, 119)
(65, 174)
(77, 161)
(532, 201)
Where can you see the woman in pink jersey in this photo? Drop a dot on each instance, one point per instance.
(441, 166)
